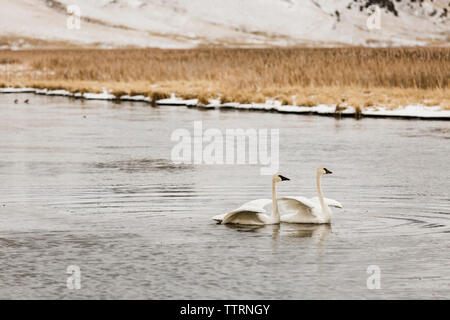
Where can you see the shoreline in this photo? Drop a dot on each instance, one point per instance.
(417, 112)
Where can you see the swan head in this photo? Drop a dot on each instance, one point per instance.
(278, 178)
(323, 171)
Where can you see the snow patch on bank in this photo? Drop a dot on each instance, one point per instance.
(409, 111)
(18, 90)
(174, 101)
(135, 98)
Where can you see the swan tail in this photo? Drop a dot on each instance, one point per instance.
(218, 218)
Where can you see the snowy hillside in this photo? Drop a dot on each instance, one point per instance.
(188, 23)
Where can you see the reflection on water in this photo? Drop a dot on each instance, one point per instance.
(292, 230)
(277, 232)
(250, 228)
(91, 183)
(141, 165)
(310, 230)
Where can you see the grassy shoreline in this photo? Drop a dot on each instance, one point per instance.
(360, 77)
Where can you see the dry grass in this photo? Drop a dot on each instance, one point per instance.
(304, 76)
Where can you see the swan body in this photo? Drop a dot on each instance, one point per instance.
(254, 212)
(315, 210)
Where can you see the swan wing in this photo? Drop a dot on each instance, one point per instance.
(260, 204)
(249, 209)
(328, 202)
(300, 205)
(246, 215)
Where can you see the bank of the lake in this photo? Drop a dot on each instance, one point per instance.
(270, 105)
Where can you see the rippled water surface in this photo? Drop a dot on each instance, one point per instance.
(91, 184)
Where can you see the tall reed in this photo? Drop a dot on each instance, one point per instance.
(237, 74)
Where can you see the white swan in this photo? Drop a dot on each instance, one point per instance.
(254, 212)
(314, 210)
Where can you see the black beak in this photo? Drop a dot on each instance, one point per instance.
(283, 178)
(327, 171)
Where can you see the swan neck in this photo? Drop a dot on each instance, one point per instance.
(275, 212)
(320, 194)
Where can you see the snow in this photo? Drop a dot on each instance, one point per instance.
(58, 93)
(174, 101)
(17, 90)
(99, 96)
(414, 111)
(135, 98)
(410, 111)
(184, 24)
(213, 103)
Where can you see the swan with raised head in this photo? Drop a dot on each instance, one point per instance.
(254, 212)
(315, 210)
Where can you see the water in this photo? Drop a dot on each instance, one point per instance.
(91, 184)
